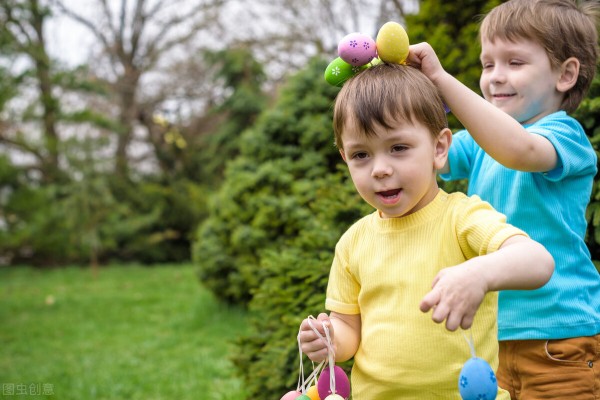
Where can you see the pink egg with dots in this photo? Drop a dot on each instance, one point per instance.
(357, 49)
(342, 383)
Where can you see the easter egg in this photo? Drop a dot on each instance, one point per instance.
(339, 71)
(293, 395)
(313, 393)
(477, 380)
(303, 397)
(392, 43)
(334, 397)
(342, 384)
(357, 49)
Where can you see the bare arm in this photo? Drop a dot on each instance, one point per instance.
(498, 134)
(457, 292)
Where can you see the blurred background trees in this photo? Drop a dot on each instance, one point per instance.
(202, 130)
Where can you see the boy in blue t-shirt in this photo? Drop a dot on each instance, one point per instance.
(526, 156)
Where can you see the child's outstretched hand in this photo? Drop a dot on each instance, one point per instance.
(422, 56)
(311, 344)
(455, 296)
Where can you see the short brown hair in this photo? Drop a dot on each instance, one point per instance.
(564, 28)
(384, 95)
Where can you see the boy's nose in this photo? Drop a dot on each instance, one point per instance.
(497, 76)
(381, 169)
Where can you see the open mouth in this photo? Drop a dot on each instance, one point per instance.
(389, 195)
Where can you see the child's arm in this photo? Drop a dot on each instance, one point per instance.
(498, 134)
(457, 292)
(344, 330)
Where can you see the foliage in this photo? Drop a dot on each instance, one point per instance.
(588, 114)
(130, 333)
(272, 227)
(262, 202)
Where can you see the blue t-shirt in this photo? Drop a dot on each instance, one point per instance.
(550, 207)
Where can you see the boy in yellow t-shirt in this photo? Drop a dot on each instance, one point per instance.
(422, 249)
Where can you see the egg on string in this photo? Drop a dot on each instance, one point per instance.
(342, 383)
(392, 43)
(339, 71)
(313, 393)
(357, 49)
(292, 395)
(477, 380)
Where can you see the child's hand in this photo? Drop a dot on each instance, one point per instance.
(422, 56)
(311, 344)
(455, 297)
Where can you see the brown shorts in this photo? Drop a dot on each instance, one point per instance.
(551, 369)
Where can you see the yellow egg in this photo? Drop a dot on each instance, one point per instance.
(392, 43)
(313, 393)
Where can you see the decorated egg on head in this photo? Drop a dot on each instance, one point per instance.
(342, 383)
(313, 393)
(293, 395)
(339, 71)
(477, 380)
(392, 43)
(357, 49)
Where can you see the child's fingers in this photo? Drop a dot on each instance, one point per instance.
(430, 300)
(467, 321)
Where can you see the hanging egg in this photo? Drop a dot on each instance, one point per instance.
(334, 397)
(293, 395)
(339, 71)
(357, 49)
(392, 43)
(313, 393)
(342, 384)
(477, 380)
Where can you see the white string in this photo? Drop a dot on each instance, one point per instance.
(300, 384)
(470, 342)
(303, 383)
(330, 351)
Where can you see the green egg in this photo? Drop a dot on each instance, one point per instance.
(339, 71)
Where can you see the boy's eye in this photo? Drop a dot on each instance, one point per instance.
(516, 63)
(360, 155)
(487, 65)
(398, 147)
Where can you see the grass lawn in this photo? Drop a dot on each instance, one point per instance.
(129, 333)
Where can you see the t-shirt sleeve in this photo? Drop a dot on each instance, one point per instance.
(481, 229)
(343, 287)
(575, 154)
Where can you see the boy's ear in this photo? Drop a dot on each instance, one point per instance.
(442, 145)
(569, 72)
(343, 155)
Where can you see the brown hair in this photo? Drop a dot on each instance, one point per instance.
(384, 95)
(564, 28)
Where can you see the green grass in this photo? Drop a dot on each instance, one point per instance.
(129, 333)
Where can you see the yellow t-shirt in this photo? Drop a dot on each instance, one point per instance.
(382, 270)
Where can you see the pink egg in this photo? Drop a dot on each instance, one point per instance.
(357, 49)
(291, 395)
(342, 384)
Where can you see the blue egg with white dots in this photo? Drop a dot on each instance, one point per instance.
(477, 380)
